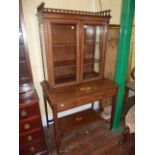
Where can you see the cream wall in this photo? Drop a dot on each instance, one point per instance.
(31, 24)
(114, 6)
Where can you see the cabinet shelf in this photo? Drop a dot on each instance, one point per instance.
(63, 44)
(67, 63)
(78, 120)
(90, 61)
(90, 75)
(65, 78)
(91, 42)
(72, 63)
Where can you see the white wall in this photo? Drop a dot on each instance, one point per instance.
(32, 31)
(114, 6)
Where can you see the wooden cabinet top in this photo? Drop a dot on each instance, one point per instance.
(27, 94)
(93, 90)
(68, 13)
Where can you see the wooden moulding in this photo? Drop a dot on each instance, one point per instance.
(40, 8)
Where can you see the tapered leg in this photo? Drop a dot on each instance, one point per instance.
(100, 106)
(56, 129)
(46, 111)
(112, 111)
(92, 105)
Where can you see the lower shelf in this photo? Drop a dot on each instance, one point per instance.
(78, 120)
(65, 79)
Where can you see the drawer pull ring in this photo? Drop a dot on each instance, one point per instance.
(26, 126)
(29, 138)
(23, 113)
(32, 149)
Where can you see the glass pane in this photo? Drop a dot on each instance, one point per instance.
(93, 38)
(64, 52)
(22, 55)
(23, 66)
(23, 72)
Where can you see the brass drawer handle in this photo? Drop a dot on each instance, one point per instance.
(62, 105)
(26, 126)
(32, 148)
(79, 118)
(23, 113)
(29, 137)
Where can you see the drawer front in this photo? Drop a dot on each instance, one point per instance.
(104, 95)
(28, 110)
(29, 124)
(31, 137)
(65, 106)
(33, 148)
(86, 99)
(73, 104)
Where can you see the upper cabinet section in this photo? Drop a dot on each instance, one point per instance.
(73, 45)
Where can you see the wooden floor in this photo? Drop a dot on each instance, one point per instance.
(94, 139)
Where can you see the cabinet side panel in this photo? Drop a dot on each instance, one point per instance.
(104, 47)
(43, 51)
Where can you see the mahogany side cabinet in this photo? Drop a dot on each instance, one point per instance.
(31, 135)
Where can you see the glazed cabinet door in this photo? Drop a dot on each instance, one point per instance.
(92, 52)
(24, 64)
(64, 52)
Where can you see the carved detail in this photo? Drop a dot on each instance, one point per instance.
(41, 8)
